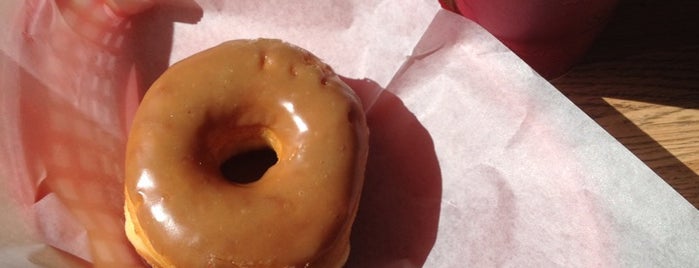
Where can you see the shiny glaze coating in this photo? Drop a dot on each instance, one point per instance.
(235, 97)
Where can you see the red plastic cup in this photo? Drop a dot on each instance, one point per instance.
(549, 35)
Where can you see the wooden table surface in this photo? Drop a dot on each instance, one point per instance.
(640, 82)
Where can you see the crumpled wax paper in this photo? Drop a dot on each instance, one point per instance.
(475, 159)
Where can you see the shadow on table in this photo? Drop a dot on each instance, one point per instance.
(649, 53)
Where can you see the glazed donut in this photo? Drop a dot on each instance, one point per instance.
(240, 97)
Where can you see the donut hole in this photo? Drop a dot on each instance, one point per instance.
(249, 166)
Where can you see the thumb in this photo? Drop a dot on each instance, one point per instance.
(126, 8)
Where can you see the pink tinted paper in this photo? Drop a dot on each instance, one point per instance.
(66, 76)
(476, 160)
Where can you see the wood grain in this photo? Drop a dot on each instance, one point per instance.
(640, 82)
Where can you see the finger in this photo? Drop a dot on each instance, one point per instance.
(129, 7)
